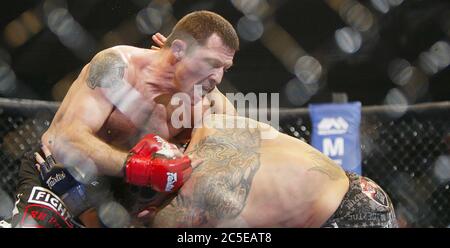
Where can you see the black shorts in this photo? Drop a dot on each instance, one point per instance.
(28, 178)
(111, 189)
(364, 205)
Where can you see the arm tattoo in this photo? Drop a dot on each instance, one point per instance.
(325, 165)
(221, 184)
(106, 71)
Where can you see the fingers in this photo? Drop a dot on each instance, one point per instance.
(143, 214)
(159, 39)
(38, 167)
(39, 159)
(155, 39)
(48, 156)
(149, 212)
(43, 166)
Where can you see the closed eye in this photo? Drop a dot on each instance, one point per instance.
(214, 63)
(228, 66)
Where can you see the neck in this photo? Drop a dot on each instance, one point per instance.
(161, 71)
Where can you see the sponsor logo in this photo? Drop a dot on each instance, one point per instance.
(171, 180)
(51, 181)
(374, 192)
(40, 216)
(166, 149)
(328, 126)
(47, 198)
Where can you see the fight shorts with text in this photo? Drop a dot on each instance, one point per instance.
(365, 205)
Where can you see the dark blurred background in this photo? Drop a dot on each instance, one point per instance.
(376, 51)
(379, 52)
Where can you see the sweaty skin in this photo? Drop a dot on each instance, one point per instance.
(246, 181)
(123, 94)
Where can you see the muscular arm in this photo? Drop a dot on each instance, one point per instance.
(218, 189)
(90, 105)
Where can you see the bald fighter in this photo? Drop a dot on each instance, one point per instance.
(122, 95)
(247, 181)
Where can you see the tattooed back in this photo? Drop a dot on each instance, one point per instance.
(247, 181)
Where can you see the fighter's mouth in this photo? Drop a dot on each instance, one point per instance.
(201, 89)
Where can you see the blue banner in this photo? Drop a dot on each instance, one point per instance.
(335, 132)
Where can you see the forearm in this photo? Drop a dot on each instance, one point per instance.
(84, 147)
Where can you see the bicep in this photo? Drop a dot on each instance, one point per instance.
(93, 116)
(87, 112)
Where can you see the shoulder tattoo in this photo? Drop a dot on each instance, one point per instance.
(106, 71)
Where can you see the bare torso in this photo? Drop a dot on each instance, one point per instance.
(246, 181)
(129, 112)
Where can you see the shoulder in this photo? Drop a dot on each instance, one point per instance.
(108, 68)
(233, 122)
(122, 52)
(122, 49)
(121, 56)
(113, 54)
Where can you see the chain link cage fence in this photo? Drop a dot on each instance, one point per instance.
(406, 153)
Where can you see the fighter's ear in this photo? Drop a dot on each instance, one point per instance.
(178, 49)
